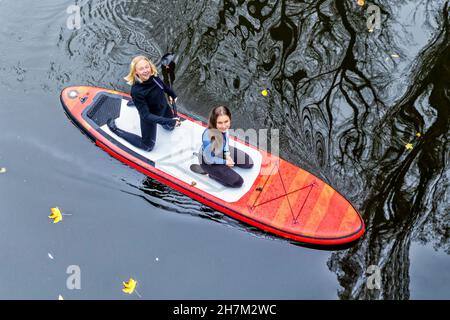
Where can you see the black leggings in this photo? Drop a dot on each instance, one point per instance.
(226, 175)
(148, 130)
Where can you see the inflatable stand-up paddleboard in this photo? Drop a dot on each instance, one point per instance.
(276, 196)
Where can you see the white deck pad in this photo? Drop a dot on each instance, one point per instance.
(174, 153)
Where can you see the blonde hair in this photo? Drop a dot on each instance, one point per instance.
(131, 78)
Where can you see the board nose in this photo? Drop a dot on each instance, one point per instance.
(72, 96)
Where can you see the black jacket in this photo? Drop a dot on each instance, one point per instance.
(150, 100)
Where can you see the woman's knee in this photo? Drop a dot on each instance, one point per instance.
(148, 140)
(248, 165)
(229, 179)
(242, 159)
(148, 145)
(237, 183)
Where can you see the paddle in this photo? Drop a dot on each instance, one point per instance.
(175, 112)
(174, 108)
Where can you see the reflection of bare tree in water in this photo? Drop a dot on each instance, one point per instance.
(409, 188)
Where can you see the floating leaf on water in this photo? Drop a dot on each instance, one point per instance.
(56, 215)
(50, 256)
(395, 55)
(128, 287)
(2, 170)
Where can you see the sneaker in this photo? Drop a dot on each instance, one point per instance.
(112, 124)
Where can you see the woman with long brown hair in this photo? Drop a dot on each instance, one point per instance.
(148, 93)
(216, 156)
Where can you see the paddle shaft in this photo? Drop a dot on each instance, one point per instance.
(174, 107)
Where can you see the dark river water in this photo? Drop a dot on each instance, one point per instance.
(346, 102)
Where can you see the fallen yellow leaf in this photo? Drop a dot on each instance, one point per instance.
(418, 134)
(361, 2)
(409, 146)
(265, 93)
(128, 287)
(56, 215)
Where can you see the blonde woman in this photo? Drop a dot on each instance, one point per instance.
(148, 93)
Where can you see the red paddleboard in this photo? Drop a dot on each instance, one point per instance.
(276, 196)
